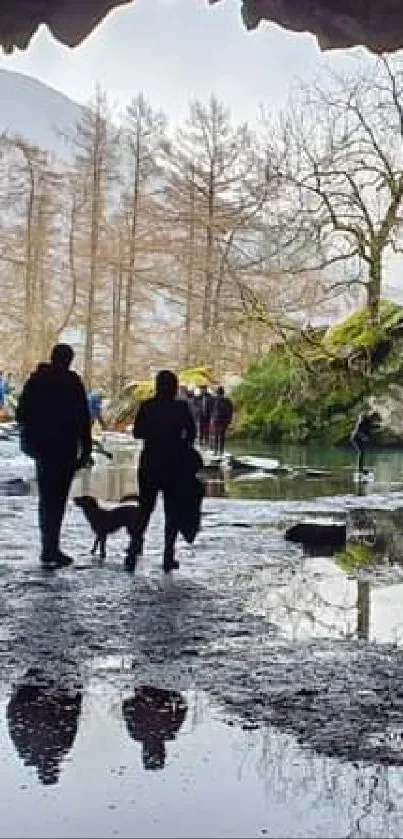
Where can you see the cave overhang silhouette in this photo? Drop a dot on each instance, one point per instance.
(376, 24)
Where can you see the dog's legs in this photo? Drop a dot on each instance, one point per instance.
(95, 545)
(102, 548)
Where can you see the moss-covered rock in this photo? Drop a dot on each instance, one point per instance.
(314, 389)
(357, 333)
(197, 377)
(121, 410)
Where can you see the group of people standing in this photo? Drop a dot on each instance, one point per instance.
(212, 413)
(55, 416)
(55, 422)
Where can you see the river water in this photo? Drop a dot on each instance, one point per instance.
(256, 692)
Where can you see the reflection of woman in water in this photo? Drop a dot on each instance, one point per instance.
(42, 718)
(152, 716)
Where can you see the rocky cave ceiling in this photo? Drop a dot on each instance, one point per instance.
(378, 24)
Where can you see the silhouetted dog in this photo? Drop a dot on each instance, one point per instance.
(105, 521)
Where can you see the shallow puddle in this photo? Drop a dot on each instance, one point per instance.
(258, 691)
(188, 773)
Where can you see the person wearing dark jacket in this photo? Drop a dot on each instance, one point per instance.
(168, 463)
(221, 417)
(55, 429)
(203, 406)
(361, 436)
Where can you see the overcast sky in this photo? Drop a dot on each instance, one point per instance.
(174, 50)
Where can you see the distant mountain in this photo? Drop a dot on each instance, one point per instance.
(32, 109)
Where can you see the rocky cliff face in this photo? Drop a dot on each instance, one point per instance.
(70, 21)
(389, 406)
(378, 24)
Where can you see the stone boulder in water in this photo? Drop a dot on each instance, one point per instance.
(310, 533)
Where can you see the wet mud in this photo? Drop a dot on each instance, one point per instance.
(256, 691)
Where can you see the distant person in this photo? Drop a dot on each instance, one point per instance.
(168, 463)
(42, 718)
(203, 408)
(55, 428)
(183, 393)
(2, 389)
(361, 437)
(10, 397)
(187, 394)
(221, 417)
(153, 716)
(95, 398)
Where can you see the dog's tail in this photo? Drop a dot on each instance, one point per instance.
(131, 496)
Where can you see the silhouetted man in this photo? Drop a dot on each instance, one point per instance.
(152, 717)
(221, 417)
(42, 719)
(167, 463)
(361, 437)
(203, 407)
(55, 427)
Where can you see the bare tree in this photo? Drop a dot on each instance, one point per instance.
(95, 144)
(32, 204)
(337, 161)
(143, 138)
(210, 202)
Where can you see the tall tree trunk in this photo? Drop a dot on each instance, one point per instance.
(373, 300)
(132, 264)
(95, 220)
(40, 275)
(27, 338)
(206, 317)
(190, 271)
(374, 288)
(117, 289)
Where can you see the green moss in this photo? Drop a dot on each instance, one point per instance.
(300, 392)
(355, 556)
(197, 376)
(357, 332)
(123, 408)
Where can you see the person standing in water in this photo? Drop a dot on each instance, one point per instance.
(361, 437)
(221, 417)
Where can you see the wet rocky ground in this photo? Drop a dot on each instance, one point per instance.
(257, 691)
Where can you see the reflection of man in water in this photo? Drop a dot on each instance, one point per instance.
(42, 719)
(152, 716)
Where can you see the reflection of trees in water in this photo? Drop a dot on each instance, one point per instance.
(302, 601)
(153, 716)
(110, 482)
(365, 799)
(115, 484)
(289, 488)
(215, 488)
(312, 597)
(42, 718)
